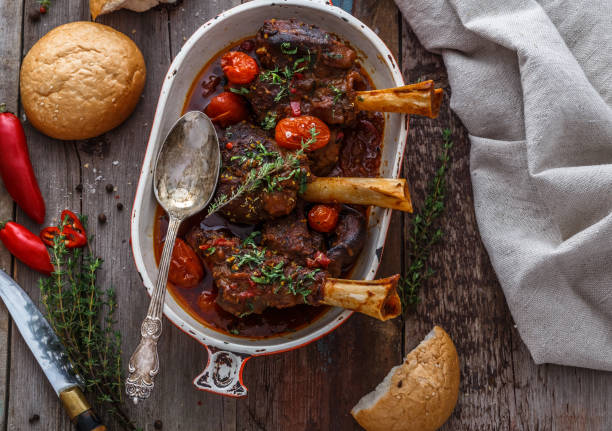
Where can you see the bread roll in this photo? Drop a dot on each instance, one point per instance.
(100, 7)
(80, 80)
(418, 395)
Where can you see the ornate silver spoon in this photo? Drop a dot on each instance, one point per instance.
(184, 180)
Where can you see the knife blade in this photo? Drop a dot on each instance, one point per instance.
(49, 352)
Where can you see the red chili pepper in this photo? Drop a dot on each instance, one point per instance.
(229, 145)
(26, 246)
(295, 108)
(48, 235)
(72, 238)
(293, 90)
(320, 261)
(223, 242)
(71, 220)
(299, 75)
(16, 168)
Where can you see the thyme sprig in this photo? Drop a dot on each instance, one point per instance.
(264, 173)
(425, 232)
(82, 315)
(284, 77)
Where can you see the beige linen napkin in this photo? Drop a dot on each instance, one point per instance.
(532, 82)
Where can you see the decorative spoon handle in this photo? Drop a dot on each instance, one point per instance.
(144, 363)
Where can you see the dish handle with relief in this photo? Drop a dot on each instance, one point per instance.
(223, 373)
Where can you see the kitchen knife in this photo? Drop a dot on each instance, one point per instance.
(49, 352)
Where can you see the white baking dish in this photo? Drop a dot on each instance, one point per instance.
(227, 354)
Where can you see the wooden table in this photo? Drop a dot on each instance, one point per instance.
(312, 388)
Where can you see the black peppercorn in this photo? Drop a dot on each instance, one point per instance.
(34, 15)
(158, 425)
(79, 188)
(33, 419)
(119, 206)
(110, 188)
(102, 218)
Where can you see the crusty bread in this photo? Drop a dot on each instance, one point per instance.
(418, 395)
(80, 80)
(100, 7)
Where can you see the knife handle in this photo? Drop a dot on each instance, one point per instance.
(79, 411)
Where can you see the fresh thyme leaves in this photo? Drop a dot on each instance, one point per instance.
(269, 122)
(294, 278)
(210, 250)
(333, 55)
(234, 331)
(283, 78)
(270, 274)
(252, 258)
(82, 315)
(265, 168)
(311, 140)
(338, 93)
(250, 240)
(280, 94)
(242, 90)
(424, 232)
(286, 48)
(246, 313)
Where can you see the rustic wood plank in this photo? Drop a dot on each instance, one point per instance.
(464, 297)
(552, 397)
(10, 50)
(316, 386)
(57, 167)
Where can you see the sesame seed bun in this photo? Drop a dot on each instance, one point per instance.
(80, 80)
(418, 395)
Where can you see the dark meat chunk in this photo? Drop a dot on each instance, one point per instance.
(349, 239)
(323, 160)
(330, 99)
(251, 278)
(244, 150)
(280, 42)
(360, 155)
(291, 237)
(308, 67)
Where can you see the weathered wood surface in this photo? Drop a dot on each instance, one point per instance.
(312, 388)
(10, 49)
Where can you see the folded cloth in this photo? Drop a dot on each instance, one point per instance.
(532, 82)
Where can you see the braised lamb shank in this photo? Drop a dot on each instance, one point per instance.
(247, 151)
(251, 278)
(304, 63)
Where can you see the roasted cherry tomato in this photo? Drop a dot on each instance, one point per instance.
(293, 132)
(207, 300)
(226, 109)
(185, 267)
(323, 218)
(26, 246)
(240, 68)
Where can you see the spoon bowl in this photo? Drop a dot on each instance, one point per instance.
(184, 180)
(187, 166)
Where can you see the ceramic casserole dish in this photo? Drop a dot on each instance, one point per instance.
(227, 354)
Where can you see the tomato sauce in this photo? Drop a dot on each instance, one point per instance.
(360, 157)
